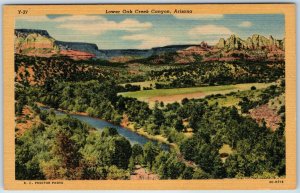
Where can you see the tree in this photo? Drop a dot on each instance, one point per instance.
(173, 106)
(109, 131)
(175, 167)
(200, 174)
(120, 152)
(115, 173)
(95, 156)
(178, 125)
(184, 101)
(137, 153)
(188, 148)
(27, 150)
(187, 173)
(160, 165)
(150, 152)
(67, 136)
(158, 115)
(131, 165)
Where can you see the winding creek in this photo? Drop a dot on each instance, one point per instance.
(101, 124)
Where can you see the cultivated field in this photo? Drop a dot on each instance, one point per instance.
(177, 94)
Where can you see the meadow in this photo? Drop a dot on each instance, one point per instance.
(177, 94)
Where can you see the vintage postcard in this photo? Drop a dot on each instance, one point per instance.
(174, 96)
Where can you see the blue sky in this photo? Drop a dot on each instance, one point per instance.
(146, 31)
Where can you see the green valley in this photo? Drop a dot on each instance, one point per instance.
(174, 112)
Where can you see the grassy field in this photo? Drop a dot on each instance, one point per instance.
(177, 94)
(233, 100)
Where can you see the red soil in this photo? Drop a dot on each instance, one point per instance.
(77, 55)
(141, 173)
(264, 112)
(26, 123)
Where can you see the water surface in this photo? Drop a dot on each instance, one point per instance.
(99, 124)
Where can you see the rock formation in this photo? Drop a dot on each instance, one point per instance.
(256, 47)
(255, 42)
(34, 42)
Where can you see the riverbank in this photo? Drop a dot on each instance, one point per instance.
(141, 131)
(126, 125)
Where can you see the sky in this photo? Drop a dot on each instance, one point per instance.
(147, 31)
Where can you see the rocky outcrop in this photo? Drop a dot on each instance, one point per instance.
(77, 55)
(192, 53)
(221, 44)
(130, 54)
(204, 45)
(255, 42)
(135, 53)
(169, 49)
(257, 47)
(34, 42)
(80, 47)
(25, 32)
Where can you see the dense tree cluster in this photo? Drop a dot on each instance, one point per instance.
(253, 145)
(218, 73)
(212, 126)
(40, 70)
(65, 148)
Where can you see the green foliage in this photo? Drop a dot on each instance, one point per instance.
(69, 149)
(137, 153)
(131, 164)
(263, 98)
(120, 152)
(178, 125)
(255, 149)
(218, 73)
(168, 166)
(109, 131)
(200, 174)
(27, 152)
(151, 150)
(188, 173)
(115, 173)
(49, 69)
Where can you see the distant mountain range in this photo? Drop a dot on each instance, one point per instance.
(34, 42)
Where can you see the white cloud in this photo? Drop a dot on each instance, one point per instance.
(245, 24)
(91, 24)
(148, 41)
(77, 18)
(209, 30)
(213, 41)
(198, 16)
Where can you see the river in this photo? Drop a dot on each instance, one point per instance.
(99, 124)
